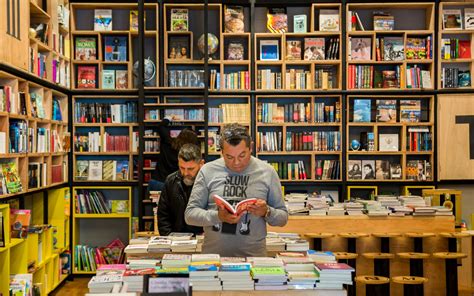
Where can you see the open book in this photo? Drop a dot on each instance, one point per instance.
(239, 208)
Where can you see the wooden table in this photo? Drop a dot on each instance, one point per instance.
(433, 268)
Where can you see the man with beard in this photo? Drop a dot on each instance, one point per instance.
(177, 189)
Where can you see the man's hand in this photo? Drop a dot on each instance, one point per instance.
(227, 217)
(259, 208)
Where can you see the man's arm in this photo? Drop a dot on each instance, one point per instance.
(165, 223)
(196, 212)
(278, 213)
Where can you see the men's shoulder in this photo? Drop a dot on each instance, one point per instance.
(171, 178)
(213, 165)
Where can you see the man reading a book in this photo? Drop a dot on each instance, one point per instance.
(235, 177)
(176, 191)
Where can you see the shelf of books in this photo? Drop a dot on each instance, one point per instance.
(300, 136)
(390, 46)
(105, 138)
(291, 56)
(456, 29)
(37, 254)
(105, 46)
(101, 226)
(390, 139)
(34, 137)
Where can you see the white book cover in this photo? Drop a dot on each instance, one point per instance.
(468, 18)
(388, 142)
(3, 142)
(95, 170)
(426, 79)
(329, 20)
(103, 20)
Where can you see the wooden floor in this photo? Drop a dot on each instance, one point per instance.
(78, 287)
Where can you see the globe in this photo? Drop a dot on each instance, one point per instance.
(149, 71)
(212, 44)
(355, 145)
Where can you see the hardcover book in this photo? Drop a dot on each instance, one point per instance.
(121, 79)
(86, 48)
(179, 20)
(108, 172)
(277, 20)
(102, 19)
(354, 169)
(19, 221)
(465, 49)
(362, 110)
(386, 111)
(269, 50)
(235, 51)
(393, 49)
(86, 77)
(329, 20)
(234, 19)
(134, 20)
(368, 169)
(108, 79)
(382, 170)
(361, 49)
(239, 208)
(121, 170)
(416, 49)
(410, 110)
(95, 170)
(299, 23)
(293, 50)
(388, 142)
(115, 48)
(82, 170)
(468, 18)
(119, 206)
(395, 171)
(452, 19)
(314, 49)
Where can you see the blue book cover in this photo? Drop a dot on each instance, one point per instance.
(362, 110)
(115, 48)
(235, 267)
(121, 170)
(202, 267)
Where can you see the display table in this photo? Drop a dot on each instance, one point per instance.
(433, 268)
(260, 293)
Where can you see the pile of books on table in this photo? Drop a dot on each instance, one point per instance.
(333, 275)
(203, 272)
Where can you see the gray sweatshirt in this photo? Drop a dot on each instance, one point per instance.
(246, 238)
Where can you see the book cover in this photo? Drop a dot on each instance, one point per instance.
(119, 206)
(238, 208)
(82, 170)
(361, 49)
(134, 20)
(235, 51)
(293, 50)
(115, 48)
(386, 111)
(269, 50)
(108, 171)
(108, 79)
(277, 20)
(212, 141)
(329, 20)
(465, 49)
(2, 234)
(382, 170)
(121, 79)
(354, 171)
(333, 267)
(389, 79)
(122, 170)
(452, 19)
(234, 19)
(464, 78)
(388, 142)
(95, 170)
(410, 110)
(19, 221)
(86, 77)
(86, 48)
(368, 169)
(362, 110)
(102, 19)
(299, 23)
(179, 20)
(314, 49)
(395, 171)
(416, 49)
(393, 49)
(468, 18)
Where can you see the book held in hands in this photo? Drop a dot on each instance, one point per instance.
(238, 208)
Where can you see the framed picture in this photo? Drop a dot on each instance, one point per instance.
(269, 50)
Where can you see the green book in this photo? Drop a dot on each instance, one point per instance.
(268, 271)
(108, 79)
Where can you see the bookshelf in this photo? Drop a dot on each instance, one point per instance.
(455, 63)
(393, 50)
(392, 137)
(306, 131)
(35, 137)
(38, 255)
(105, 138)
(103, 54)
(100, 216)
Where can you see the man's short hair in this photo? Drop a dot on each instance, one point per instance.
(233, 134)
(190, 152)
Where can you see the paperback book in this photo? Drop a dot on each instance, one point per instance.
(103, 20)
(452, 19)
(386, 111)
(108, 79)
(277, 20)
(360, 48)
(86, 77)
(314, 49)
(293, 50)
(329, 20)
(179, 20)
(86, 48)
(362, 109)
(269, 50)
(238, 208)
(115, 48)
(299, 23)
(410, 110)
(234, 19)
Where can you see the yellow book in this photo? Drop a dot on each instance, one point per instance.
(67, 48)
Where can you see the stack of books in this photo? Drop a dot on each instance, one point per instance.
(274, 242)
(183, 246)
(236, 276)
(336, 210)
(300, 270)
(203, 272)
(412, 201)
(400, 211)
(388, 200)
(270, 278)
(297, 245)
(104, 283)
(333, 275)
(134, 278)
(171, 261)
(321, 257)
(159, 245)
(136, 249)
(354, 208)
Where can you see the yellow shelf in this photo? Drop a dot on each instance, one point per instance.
(102, 216)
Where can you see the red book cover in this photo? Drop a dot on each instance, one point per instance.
(333, 267)
(464, 49)
(86, 77)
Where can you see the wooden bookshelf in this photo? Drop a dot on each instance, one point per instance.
(98, 230)
(22, 129)
(115, 149)
(462, 58)
(386, 68)
(82, 26)
(317, 121)
(404, 152)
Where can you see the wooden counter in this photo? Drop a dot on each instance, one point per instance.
(433, 268)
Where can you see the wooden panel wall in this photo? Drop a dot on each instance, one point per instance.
(14, 51)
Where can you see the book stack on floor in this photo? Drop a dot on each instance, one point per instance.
(268, 273)
(203, 272)
(333, 275)
(236, 276)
